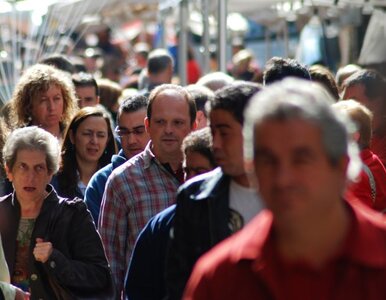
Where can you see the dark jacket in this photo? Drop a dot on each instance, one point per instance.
(200, 222)
(65, 192)
(77, 264)
(145, 278)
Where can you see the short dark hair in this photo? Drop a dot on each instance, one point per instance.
(200, 95)
(83, 79)
(132, 104)
(200, 141)
(234, 98)
(179, 89)
(278, 68)
(158, 61)
(58, 61)
(373, 82)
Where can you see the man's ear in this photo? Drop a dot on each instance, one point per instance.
(194, 125)
(147, 124)
(356, 136)
(98, 98)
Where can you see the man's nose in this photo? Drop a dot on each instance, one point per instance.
(168, 127)
(283, 175)
(131, 138)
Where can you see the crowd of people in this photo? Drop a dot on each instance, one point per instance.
(253, 184)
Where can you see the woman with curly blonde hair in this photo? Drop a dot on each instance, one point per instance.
(45, 97)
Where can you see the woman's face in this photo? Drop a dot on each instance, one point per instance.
(90, 139)
(47, 108)
(29, 175)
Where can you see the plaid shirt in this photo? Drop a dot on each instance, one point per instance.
(135, 191)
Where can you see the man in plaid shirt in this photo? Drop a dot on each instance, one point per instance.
(148, 182)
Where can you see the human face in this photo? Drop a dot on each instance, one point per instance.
(227, 142)
(296, 179)
(131, 129)
(86, 96)
(357, 92)
(47, 108)
(195, 164)
(169, 124)
(29, 175)
(90, 139)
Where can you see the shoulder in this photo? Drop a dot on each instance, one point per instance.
(118, 160)
(203, 185)
(132, 166)
(100, 177)
(245, 245)
(5, 199)
(369, 229)
(162, 219)
(74, 203)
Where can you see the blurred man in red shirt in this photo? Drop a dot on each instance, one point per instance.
(309, 243)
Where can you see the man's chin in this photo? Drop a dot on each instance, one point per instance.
(134, 152)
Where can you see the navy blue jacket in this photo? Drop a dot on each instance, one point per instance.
(201, 221)
(145, 278)
(96, 187)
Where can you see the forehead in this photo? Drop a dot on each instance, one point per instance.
(195, 158)
(222, 117)
(170, 102)
(93, 121)
(285, 137)
(356, 91)
(30, 156)
(48, 89)
(88, 89)
(133, 118)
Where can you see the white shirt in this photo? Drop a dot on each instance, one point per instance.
(245, 201)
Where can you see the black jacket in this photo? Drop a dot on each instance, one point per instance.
(77, 264)
(200, 222)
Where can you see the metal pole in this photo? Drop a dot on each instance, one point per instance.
(205, 35)
(162, 24)
(183, 45)
(267, 43)
(222, 34)
(286, 38)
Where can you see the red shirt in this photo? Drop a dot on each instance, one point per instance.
(247, 266)
(362, 189)
(193, 71)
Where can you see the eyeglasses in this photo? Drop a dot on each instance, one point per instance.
(121, 132)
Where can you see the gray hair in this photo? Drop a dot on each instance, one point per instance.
(32, 138)
(299, 99)
(215, 81)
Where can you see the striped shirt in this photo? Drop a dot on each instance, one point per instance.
(135, 191)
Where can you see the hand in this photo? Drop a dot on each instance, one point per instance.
(21, 295)
(42, 250)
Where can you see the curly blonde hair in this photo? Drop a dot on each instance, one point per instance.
(35, 81)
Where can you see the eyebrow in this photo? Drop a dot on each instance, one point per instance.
(221, 126)
(135, 127)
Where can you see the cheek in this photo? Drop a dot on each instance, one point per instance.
(105, 141)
